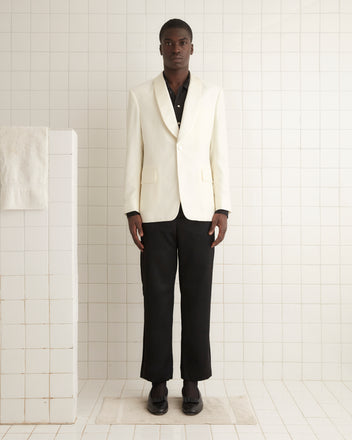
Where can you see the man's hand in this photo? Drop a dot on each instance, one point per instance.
(219, 220)
(135, 225)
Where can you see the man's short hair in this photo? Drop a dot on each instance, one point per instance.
(175, 23)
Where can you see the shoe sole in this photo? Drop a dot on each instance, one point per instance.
(157, 413)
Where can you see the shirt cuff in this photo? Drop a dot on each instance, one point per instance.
(222, 211)
(129, 214)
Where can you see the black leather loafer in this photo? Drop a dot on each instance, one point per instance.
(192, 406)
(156, 405)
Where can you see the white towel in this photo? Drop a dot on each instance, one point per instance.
(24, 167)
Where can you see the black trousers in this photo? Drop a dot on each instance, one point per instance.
(165, 243)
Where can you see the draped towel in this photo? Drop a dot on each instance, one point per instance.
(23, 167)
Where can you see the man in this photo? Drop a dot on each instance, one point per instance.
(176, 194)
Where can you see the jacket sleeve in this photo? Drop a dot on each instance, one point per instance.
(219, 157)
(134, 156)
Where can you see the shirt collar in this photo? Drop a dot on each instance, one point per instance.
(184, 85)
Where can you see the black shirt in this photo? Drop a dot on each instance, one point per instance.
(178, 101)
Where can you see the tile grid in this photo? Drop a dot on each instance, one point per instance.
(311, 387)
(300, 365)
(285, 410)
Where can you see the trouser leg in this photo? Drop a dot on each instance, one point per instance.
(158, 271)
(195, 275)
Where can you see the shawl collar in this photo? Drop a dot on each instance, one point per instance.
(167, 111)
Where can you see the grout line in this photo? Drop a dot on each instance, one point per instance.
(298, 407)
(222, 248)
(48, 236)
(340, 401)
(300, 187)
(25, 349)
(87, 202)
(242, 201)
(262, 372)
(107, 197)
(281, 202)
(318, 403)
(127, 234)
(341, 367)
(1, 229)
(276, 407)
(253, 408)
(320, 343)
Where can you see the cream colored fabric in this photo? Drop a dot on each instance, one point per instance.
(24, 167)
(216, 411)
(166, 165)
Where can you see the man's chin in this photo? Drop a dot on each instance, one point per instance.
(177, 66)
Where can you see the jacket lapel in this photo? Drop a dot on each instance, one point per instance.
(167, 111)
(191, 107)
(165, 105)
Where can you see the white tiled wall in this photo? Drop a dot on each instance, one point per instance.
(38, 298)
(282, 300)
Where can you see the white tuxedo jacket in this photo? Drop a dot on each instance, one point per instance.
(165, 164)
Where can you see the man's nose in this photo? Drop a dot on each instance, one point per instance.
(176, 48)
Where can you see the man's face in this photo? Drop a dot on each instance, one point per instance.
(176, 48)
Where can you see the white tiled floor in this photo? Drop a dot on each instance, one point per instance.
(286, 410)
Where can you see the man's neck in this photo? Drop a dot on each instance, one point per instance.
(175, 78)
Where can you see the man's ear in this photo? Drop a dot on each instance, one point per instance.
(191, 48)
(160, 50)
